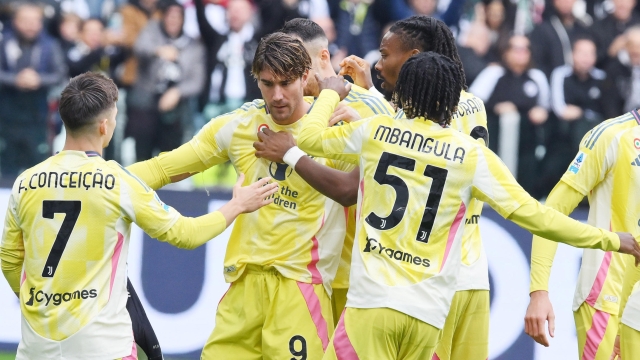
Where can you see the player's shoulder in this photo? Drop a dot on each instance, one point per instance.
(603, 133)
(373, 102)
(125, 176)
(254, 111)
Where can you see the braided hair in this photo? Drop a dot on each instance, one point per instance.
(427, 33)
(429, 86)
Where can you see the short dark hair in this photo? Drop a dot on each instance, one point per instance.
(85, 98)
(283, 54)
(427, 33)
(305, 29)
(429, 86)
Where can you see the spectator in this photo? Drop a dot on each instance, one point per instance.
(478, 45)
(576, 93)
(30, 63)
(358, 30)
(92, 53)
(229, 59)
(451, 16)
(551, 40)
(135, 16)
(69, 31)
(622, 85)
(514, 90)
(609, 32)
(171, 71)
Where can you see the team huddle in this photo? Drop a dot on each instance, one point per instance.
(351, 237)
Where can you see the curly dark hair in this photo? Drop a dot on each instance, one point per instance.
(429, 86)
(427, 33)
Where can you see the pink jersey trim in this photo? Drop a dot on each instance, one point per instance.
(134, 353)
(313, 304)
(595, 334)
(452, 232)
(316, 277)
(24, 278)
(600, 279)
(435, 357)
(342, 344)
(114, 260)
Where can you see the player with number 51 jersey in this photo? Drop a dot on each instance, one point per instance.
(418, 178)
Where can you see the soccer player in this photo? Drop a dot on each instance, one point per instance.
(466, 331)
(624, 215)
(360, 104)
(66, 235)
(282, 259)
(596, 303)
(406, 256)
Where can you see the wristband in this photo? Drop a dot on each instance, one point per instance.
(292, 156)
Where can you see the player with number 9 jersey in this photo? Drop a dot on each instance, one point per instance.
(417, 181)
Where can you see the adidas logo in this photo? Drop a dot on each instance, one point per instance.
(636, 162)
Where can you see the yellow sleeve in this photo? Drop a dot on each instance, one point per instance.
(631, 278)
(563, 198)
(494, 184)
(157, 172)
(551, 224)
(207, 148)
(12, 247)
(338, 142)
(189, 233)
(164, 223)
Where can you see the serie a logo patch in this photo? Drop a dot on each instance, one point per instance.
(577, 162)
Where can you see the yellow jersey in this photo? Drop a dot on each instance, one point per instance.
(67, 225)
(625, 212)
(417, 182)
(367, 104)
(591, 173)
(300, 234)
(471, 119)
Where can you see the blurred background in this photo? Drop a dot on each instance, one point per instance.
(542, 68)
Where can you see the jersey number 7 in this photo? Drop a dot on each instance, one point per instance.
(71, 209)
(439, 176)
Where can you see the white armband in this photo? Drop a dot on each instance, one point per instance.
(292, 156)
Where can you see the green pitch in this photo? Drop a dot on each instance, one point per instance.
(7, 356)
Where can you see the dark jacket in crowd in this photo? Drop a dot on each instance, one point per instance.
(213, 42)
(551, 43)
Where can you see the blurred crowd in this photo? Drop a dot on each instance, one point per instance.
(548, 71)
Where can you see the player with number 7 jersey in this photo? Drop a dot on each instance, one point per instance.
(418, 178)
(66, 234)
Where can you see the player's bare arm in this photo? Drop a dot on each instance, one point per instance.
(340, 186)
(539, 311)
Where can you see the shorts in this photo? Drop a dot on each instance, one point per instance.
(381, 334)
(629, 342)
(597, 332)
(266, 316)
(466, 331)
(338, 302)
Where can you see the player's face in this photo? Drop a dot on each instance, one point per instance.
(393, 55)
(282, 96)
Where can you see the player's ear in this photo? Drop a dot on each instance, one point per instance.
(415, 52)
(325, 58)
(305, 78)
(103, 126)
